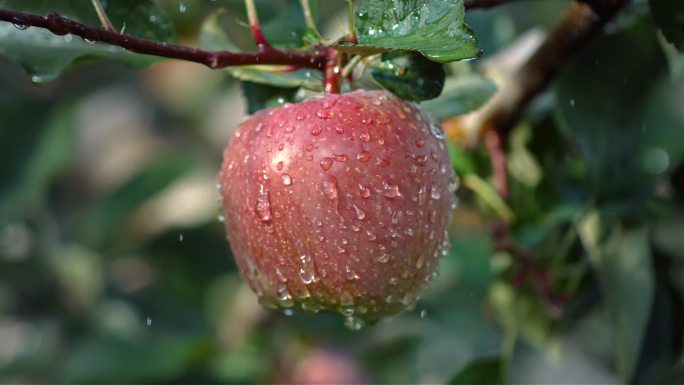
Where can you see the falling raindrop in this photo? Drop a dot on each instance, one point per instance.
(182, 7)
(149, 321)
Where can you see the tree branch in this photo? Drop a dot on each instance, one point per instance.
(213, 59)
(580, 24)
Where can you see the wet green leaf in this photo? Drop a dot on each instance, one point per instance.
(409, 75)
(621, 258)
(481, 371)
(260, 96)
(462, 94)
(434, 28)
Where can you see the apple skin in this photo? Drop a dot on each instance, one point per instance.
(339, 203)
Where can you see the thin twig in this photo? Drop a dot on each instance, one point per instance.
(254, 24)
(498, 159)
(102, 15)
(308, 15)
(213, 59)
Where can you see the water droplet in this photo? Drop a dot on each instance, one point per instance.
(420, 261)
(353, 323)
(287, 180)
(330, 187)
(420, 142)
(263, 205)
(364, 156)
(360, 214)
(326, 163)
(340, 157)
(365, 137)
(180, 238)
(221, 218)
(20, 27)
(279, 166)
(422, 195)
(421, 159)
(390, 189)
(382, 258)
(300, 116)
(366, 120)
(322, 114)
(148, 321)
(182, 7)
(284, 297)
(346, 299)
(349, 273)
(339, 130)
(316, 130)
(306, 276)
(289, 129)
(394, 281)
(434, 193)
(365, 191)
(423, 314)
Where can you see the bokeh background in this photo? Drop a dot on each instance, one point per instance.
(114, 266)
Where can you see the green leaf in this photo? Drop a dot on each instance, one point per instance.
(669, 17)
(600, 104)
(260, 96)
(462, 94)
(45, 55)
(213, 37)
(100, 223)
(621, 258)
(37, 147)
(112, 358)
(481, 371)
(409, 75)
(434, 28)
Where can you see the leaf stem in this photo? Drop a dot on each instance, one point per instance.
(254, 24)
(102, 15)
(213, 59)
(308, 15)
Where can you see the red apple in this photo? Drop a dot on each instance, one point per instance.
(339, 203)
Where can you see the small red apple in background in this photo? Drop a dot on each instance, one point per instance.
(339, 203)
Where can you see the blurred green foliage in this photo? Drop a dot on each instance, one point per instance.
(114, 266)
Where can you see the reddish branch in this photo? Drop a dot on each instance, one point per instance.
(213, 59)
(582, 22)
